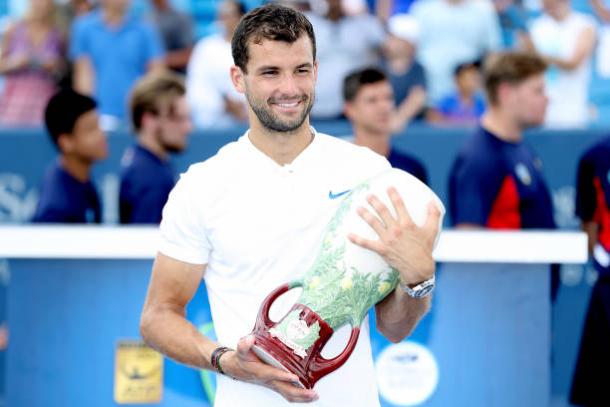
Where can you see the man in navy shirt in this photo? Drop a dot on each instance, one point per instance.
(161, 119)
(369, 106)
(589, 386)
(496, 180)
(67, 194)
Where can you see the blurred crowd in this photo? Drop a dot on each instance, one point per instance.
(431, 50)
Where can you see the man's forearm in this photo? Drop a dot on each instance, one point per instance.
(398, 314)
(170, 333)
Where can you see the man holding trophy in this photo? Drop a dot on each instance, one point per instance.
(274, 209)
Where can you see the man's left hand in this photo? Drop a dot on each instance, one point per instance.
(402, 244)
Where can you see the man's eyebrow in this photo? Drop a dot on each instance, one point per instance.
(273, 67)
(267, 68)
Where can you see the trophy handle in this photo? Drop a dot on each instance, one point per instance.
(263, 320)
(323, 366)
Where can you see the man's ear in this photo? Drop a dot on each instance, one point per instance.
(65, 142)
(147, 119)
(348, 110)
(315, 70)
(237, 77)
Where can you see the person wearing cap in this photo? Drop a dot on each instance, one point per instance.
(68, 194)
(405, 74)
(466, 104)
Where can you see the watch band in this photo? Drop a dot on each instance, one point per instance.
(421, 290)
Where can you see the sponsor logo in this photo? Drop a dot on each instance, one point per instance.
(332, 195)
(407, 374)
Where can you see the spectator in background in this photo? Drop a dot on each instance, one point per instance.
(590, 385)
(161, 118)
(210, 92)
(496, 180)
(32, 59)
(603, 44)
(69, 10)
(111, 49)
(513, 22)
(566, 39)
(68, 194)
(369, 106)
(453, 31)
(466, 104)
(405, 74)
(344, 43)
(176, 30)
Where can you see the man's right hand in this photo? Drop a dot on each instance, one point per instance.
(242, 364)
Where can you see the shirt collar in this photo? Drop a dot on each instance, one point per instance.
(302, 161)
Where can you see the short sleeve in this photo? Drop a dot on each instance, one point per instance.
(585, 190)
(419, 76)
(183, 233)
(153, 46)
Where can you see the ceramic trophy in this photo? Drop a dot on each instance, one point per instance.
(343, 283)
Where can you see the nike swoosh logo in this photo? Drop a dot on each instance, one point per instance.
(335, 196)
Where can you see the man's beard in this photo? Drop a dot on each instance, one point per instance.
(169, 147)
(272, 122)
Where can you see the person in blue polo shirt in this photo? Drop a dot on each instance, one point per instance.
(369, 106)
(496, 180)
(111, 49)
(589, 386)
(161, 118)
(68, 194)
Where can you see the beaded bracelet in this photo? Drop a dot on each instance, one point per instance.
(215, 358)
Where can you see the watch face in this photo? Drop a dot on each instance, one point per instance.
(425, 290)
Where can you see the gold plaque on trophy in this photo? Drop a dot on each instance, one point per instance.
(138, 373)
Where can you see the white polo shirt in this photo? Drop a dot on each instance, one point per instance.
(258, 225)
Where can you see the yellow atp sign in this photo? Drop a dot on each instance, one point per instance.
(138, 373)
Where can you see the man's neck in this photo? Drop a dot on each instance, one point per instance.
(282, 148)
(400, 64)
(466, 97)
(113, 16)
(77, 168)
(149, 142)
(502, 125)
(379, 143)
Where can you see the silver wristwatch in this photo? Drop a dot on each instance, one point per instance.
(421, 290)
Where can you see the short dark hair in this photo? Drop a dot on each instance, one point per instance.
(269, 22)
(357, 79)
(459, 68)
(152, 92)
(510, 67)
(63, 110)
